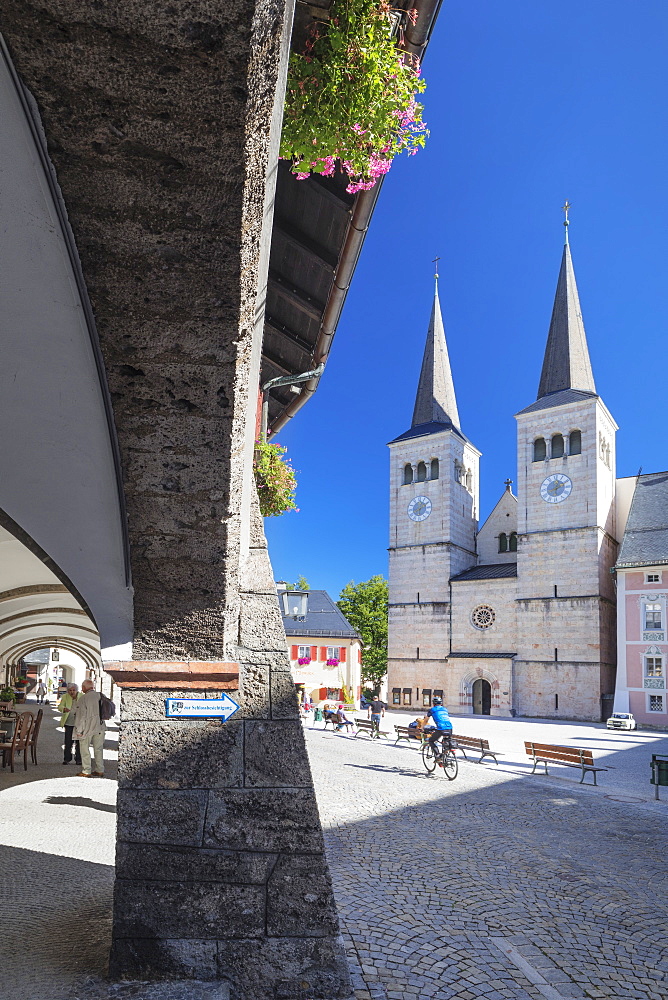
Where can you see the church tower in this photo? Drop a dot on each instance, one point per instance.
(434, 489)
(566, 532)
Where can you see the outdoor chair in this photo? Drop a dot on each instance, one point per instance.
(19, 742)
(34, 733)
(6, 706)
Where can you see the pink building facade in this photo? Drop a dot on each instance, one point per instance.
(642, 596)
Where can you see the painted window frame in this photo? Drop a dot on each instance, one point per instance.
(303, 652)
(334, 653)
(652, 608)
(653, 577)
(657, 699)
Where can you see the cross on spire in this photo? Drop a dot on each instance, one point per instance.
(566, 207)
(435, 263)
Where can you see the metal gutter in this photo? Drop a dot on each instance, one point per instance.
(416, 39)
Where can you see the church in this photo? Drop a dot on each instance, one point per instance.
(515, 616)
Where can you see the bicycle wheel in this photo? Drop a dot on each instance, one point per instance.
(450, 765)
(428, 758)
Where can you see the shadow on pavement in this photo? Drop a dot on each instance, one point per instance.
(79, 800)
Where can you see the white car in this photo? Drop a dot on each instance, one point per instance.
(621, 720)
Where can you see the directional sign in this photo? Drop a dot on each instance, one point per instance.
(201, 708)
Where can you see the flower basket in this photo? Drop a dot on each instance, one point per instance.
(350, 98)
(304, 661)
(274, 478)
(333, 662)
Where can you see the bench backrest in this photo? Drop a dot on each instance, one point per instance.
(471, 741)
(569, 755)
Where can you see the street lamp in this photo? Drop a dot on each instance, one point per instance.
(294, 604)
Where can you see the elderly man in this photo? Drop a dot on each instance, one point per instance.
(89, 730)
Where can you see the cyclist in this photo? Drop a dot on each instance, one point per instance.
(439, 716)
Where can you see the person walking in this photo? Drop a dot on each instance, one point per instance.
(89, 730)
(376, 711)
(40, 692)
(67, 707)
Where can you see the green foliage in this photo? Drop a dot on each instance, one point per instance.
(275, 479)
(365, 607)
(351, 97)
(7, 694)
(301, 584)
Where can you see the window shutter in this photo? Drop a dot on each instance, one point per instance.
(342, 654)
(323, 653)
(359, 655)
(323, 694)
(314, 652)
(295, 652)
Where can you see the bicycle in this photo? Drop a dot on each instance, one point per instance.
(447, 758)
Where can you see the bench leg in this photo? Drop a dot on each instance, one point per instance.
(535, 765)
(488, 753)
(585, 770)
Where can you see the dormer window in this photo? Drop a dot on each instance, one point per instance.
(539, 450)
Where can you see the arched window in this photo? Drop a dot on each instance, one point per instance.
(539, 450)
(557, 450)
(575, 443)
(422, 472)
(434, 468)
(503, 542)
(512, 542)
(469, 480)
(408, 474)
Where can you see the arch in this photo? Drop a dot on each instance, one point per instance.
(539, 450)
(466, 683)
(482, 696)
(503, 542)
(434, 469)
(557, 446)
(575, 443)
(88, 654)
(512, 542)
(408, 473)
(421, 472)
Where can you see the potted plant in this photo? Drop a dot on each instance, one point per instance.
(350, 97)
(7, 694)
(274, 478)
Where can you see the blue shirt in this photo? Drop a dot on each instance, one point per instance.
(440, 716)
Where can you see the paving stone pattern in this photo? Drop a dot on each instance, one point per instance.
(495, 885)
(492, 886)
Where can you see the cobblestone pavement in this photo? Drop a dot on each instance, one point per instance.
(492, 886)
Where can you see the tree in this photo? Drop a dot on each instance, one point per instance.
(302, 584)
(365, 606)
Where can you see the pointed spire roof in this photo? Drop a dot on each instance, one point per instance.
(435, 401)
(566, 364)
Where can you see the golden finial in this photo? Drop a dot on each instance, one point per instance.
(566, 209)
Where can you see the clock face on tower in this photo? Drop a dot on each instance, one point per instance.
(556, 488)
(419, 508)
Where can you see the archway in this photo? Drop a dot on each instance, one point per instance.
(482, 697)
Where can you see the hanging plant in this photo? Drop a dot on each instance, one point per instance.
(351, 97)
(275, 479)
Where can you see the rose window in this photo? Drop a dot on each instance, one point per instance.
(483, 616)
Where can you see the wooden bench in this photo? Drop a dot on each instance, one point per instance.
(406, 733)
(366, 728)
(476, 744)
(547, 753)
(331, 719)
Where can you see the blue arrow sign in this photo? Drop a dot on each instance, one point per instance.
(201, 708)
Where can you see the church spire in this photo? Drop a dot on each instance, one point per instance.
(566, 364)
(435, 400)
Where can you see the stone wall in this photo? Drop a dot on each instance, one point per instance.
(162, 123)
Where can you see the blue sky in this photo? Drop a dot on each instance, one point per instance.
(529, 102)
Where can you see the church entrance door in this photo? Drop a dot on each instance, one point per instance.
(482, 697)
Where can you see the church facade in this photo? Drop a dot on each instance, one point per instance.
(517, 616)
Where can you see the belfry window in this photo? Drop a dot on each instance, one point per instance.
(575, 443)
(503, 542)
(434, 468)
(539, 450)
(557, 450)
(512, 542)
(421, 472)
(408, 474)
